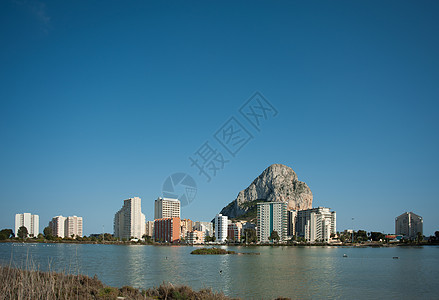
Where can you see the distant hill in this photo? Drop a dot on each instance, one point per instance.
(277, 183)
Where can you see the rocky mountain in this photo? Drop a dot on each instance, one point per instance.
(277, 183)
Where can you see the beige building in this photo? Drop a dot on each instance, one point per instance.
(408, 225)
(149, 228)
(186, 226)
(166, 208)
(195, 237)
(66, 226)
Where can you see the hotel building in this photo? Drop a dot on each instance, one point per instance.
(166, 208)
(129, 222)
(30, 221)
(167, 230)
(221, 223)
(272, 216)
(408, 225)
(316, 224)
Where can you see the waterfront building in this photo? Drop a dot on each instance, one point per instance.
(73, 226)
(28, 220)
(206, 227)
(316, 224)
(186, 226)
(271, 216)
(234, 231)
(66, 226)
(408, 225)
(195, 237)
(149, 228)
(221, 228)
(167, 230)
(57, 225)
(129, 221)
(166, 208)
(291, 223)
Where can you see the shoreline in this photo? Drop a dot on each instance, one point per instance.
(125, 243)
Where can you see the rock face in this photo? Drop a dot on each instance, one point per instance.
(277, 183)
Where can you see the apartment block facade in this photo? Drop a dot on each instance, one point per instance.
(129, 221)
(28, 220)
(316, 224)
(408, 225)
(221, 223)
(66, 226)
(167, 230)
(166, 208)
(271, 216)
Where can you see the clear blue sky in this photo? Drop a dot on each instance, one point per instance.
(102, 100)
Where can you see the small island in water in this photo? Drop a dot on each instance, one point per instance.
(204, 251)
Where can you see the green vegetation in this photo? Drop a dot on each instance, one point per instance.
(6, 234)
(22, 232)
(33, 284)
(215, 251)
(274, 236)
(251, 214)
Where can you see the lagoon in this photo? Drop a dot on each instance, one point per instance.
(295, 272)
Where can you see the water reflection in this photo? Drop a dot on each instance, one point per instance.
(296, 272)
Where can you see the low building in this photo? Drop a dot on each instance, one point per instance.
(195, 237)
(234, 231)
(167, 230)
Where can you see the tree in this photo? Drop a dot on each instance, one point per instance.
(6, 234)
(419, 237)
(249, 235)
(274, 236)
(48, 234)
(360, 235)
(436, 234)
(376, 236)
(22, 232)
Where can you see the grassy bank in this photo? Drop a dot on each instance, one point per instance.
(32, 284)
(213, 251)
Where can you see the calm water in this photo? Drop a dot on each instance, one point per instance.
(296, 272)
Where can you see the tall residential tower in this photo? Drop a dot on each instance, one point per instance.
(129, 221)
(166, 208)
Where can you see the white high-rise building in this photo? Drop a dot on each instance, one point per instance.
(58, 226)
(166, 208)
(316, 224)
(408, 225)
(129, 221)
(73, 226)
(272, 216)
(221, 223)
(66, 226)
(30, 221)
